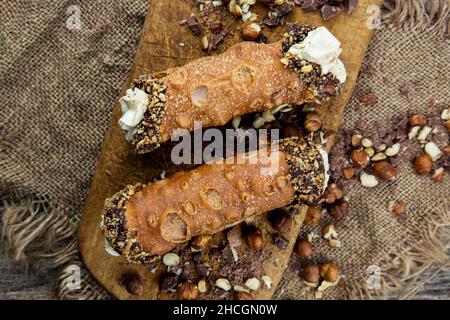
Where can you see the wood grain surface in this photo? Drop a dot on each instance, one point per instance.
(160, 48)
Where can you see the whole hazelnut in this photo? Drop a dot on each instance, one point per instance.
(303, 248)
(312, 216)
(332, 193)
(243, 296)
(312, 122)
(360, 158)
(348, 173)
(417, 120)
(446, 150)
(310, 274)
(423, 164)
(356, 140)
(339, 209)
(254, 239)
(281, 221)
(133, 283)
(200, 242)
(329, 272)
(384, 170)
(187, 291)
(251, 31)
(447, 125)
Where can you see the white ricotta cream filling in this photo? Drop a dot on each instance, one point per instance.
(133, 105)
(322, 48)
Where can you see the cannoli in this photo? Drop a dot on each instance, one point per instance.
(143, 222)
(250, 77)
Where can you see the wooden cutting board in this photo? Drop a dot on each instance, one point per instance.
(159, 48)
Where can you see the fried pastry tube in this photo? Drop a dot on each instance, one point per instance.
(249, 77)
(144, 221)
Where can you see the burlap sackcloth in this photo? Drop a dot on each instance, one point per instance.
(58, 87)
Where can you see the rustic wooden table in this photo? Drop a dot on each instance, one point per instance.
(14, 284)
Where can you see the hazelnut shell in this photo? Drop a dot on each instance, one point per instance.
(384, 170)
(312, 216)
(329, 272)
(423, 164)
(187, 291)
(310, 273)
(312, 122)
(303, 248)
(254, 239)
(360, 158)
(417, 120)
(251, 30)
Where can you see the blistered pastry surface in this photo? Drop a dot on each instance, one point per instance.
(141, 221)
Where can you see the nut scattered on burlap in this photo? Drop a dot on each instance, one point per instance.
(371, 234)
(59, 85)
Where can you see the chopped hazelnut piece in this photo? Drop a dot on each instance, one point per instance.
(187, 291)
(397, 207)
(312, 216)
(329, 272)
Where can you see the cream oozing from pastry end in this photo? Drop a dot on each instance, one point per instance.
(326, 166)
(133, 106)
(109, 249)
(322, 48)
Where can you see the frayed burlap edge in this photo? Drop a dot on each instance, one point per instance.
(403, 269)
(38, 234)
(420, 16)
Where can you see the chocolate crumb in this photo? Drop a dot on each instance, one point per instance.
(369, 99)
(169, 281)
(310, 5)
(271, 21)
(351, 5)
(214, 25)
(284, 9)
(329, 12)
(234, 236)
(280, 241)
(202, 270)
(193, 24)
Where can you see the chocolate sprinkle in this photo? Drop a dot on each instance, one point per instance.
(307, 172)
(169, 282)
(147, 136)
(329, 12)
(193, 24)
(122, 240)
(280, 241)
(322, 87)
